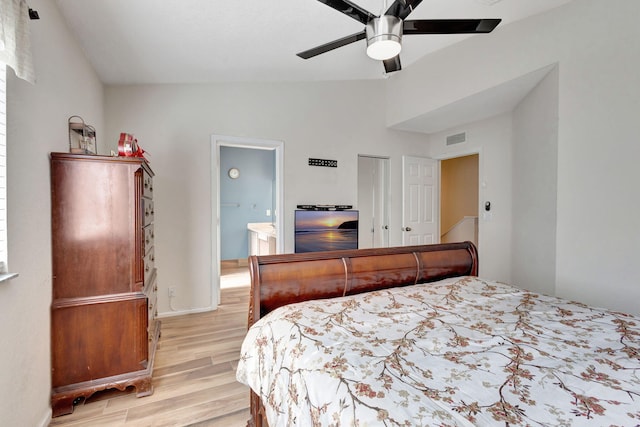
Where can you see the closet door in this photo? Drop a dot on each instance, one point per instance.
(373, 202)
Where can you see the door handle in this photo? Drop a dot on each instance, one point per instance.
(406, 228)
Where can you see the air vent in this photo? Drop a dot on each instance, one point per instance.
(457, 138)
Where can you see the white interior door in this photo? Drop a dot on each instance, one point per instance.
(420, 210)
(373, 189)
(381, 205)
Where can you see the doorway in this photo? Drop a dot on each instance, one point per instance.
(219, 170)
(373, 202)
(459, 178)
(440, 199)
(247, 178)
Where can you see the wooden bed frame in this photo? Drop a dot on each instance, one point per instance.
(279, 280)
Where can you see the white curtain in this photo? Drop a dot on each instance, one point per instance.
(15, 45)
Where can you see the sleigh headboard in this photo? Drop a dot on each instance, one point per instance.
(277, 280)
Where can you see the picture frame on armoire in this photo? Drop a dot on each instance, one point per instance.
(82, 137)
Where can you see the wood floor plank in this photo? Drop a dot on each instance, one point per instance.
(170, 407)
(236, 419)
(91, 418)
(194, 373)
(184, 366)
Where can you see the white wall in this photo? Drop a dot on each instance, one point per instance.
(599, 100)
(37, 124)
(535, 161)
(174, 123)
(598, 151)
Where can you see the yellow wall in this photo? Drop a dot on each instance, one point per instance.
(459, 190)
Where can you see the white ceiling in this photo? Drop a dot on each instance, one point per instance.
(479, 106)
(196, 41)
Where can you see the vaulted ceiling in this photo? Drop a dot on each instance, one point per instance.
(196, 41)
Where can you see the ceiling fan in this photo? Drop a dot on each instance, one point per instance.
(384, 33)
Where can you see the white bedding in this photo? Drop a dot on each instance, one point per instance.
(458, 352)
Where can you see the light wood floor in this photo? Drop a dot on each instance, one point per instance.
(194, 373)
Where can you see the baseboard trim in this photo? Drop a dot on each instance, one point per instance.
(46, 419)
(181, 312)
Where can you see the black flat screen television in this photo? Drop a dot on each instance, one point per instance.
(325, 230)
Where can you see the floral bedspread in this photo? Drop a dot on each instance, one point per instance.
(459, 352)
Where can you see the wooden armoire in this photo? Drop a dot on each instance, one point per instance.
(104, 330)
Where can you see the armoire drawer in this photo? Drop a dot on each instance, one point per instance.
(148, 211)
(151, 291)
(153, 312)
(149, 263)
(148, 238)
(147, 187)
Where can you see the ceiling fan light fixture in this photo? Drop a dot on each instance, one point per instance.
(384, 37)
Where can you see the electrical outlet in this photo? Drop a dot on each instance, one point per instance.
(172, 292)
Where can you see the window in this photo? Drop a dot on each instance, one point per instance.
(3, 168)
(3, 175)
(15, 52)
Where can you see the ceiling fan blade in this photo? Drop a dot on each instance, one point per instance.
(332, 45)
(350, 9)
(392, 64)
(449, 26)
(402, 8)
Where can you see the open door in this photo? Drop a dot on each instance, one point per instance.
(420, 209)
